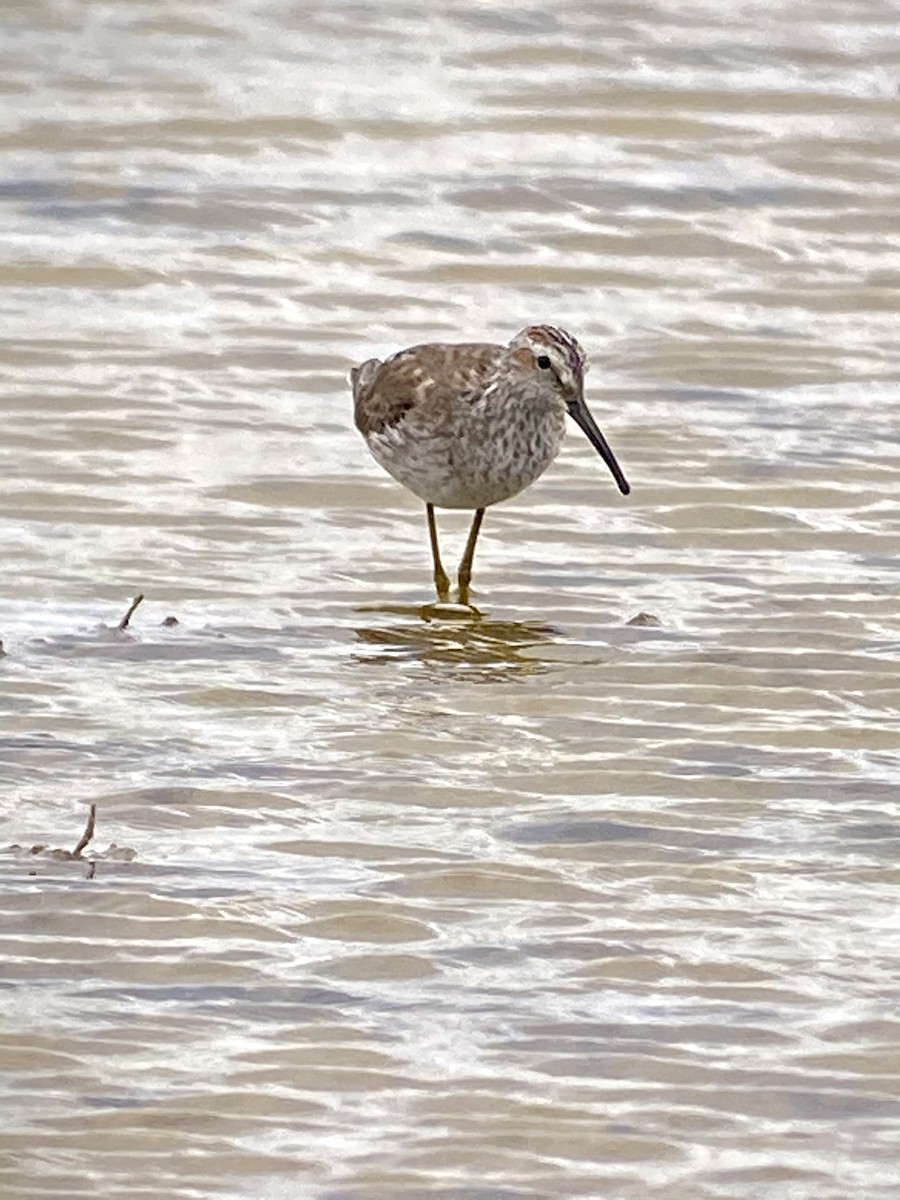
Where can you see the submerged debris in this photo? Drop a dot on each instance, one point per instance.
(116, 853)
(123, 624)
(644, 618)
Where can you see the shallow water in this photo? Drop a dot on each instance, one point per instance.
(405, 904)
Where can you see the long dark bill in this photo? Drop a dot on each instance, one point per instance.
(580, 412)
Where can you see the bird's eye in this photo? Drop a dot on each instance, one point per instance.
(543, 362)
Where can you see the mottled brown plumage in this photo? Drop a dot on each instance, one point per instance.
(465, 425)
(435, 374)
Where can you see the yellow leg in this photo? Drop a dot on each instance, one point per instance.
(441, 579)
(465, 567)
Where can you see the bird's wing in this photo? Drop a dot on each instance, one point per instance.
(434, 375)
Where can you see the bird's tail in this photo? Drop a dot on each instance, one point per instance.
(362, 376)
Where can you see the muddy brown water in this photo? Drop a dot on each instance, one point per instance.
(539, 905)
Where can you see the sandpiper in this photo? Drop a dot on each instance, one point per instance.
(465, 425)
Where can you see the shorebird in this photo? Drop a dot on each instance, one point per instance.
(465, 425)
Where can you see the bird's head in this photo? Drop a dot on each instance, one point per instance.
(552, 363)
(552, 359)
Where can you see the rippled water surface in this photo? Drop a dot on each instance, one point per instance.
(402, 904)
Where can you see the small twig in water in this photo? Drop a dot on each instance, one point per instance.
(88, 832)
(123, 624)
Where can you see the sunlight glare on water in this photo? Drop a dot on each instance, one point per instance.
(386, 902)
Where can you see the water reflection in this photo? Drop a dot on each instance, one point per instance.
(442, 636)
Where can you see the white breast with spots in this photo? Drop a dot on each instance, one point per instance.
(490, 456)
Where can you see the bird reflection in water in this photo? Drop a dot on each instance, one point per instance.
(442, 636)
